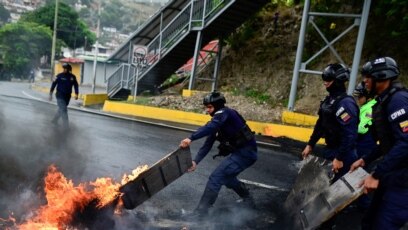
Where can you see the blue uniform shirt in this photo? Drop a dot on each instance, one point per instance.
(64, 83)
(226, 121)
(396, 160)
(346, 114)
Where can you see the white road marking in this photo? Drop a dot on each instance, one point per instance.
(272, 187)
(30, 96)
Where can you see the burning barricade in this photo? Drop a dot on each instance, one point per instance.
(92, 205)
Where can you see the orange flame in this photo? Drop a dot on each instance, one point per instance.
(135, 173)
(64, 198)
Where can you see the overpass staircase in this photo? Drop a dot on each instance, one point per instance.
(169, 39)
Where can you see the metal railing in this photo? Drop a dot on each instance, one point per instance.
(194, 16)
(120, 79)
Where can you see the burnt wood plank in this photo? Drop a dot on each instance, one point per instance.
(156, 177)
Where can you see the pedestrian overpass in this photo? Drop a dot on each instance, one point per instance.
(173, 35)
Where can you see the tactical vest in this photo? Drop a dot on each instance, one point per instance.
(239, 139)
(381, 128)
(332, 131)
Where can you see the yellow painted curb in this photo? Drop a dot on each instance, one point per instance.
(189, 93)
(94, 99)
(298, 119)
(155, 113)
(268, 129)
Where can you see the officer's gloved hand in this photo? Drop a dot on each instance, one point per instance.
(76, 96)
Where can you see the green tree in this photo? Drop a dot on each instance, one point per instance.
(22, 45)
(70, 29)
(393, 15)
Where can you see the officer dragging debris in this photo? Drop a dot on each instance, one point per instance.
(237, 143)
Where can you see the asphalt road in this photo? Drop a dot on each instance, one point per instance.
(102, 146)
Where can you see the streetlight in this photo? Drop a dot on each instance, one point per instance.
(96, 48)
(54, 38)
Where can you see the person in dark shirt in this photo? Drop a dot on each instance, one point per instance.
(237, 142)
(32, 76)
(64, 83)
(337, 121)
(365, 140)
(338, 124)
(389, 206)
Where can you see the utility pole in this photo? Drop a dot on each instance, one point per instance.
(54, 38)
(96, 48)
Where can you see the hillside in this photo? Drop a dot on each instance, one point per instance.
(123, 15)
(257, 64)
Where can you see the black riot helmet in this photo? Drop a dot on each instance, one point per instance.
(360, 90)
(337, 71)
(380, 69)
(67, 67)
(215, 99)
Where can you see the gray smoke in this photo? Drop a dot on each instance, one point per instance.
(28, 146)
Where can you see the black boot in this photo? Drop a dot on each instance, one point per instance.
(207, 200)
(243, 192)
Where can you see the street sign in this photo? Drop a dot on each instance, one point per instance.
(139, 56)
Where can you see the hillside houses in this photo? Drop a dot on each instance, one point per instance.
(18, 7)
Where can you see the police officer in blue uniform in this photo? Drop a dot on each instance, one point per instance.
(389, 180)
(365, 141)
(64, 83)
(337, 123)
(237, 142)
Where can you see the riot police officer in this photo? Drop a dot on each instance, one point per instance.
(365, 140)
(237, 142)
(64, 83)
(389, 207)
(337, 122)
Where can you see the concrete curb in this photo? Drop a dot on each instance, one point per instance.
(260, 128)
(167, 115)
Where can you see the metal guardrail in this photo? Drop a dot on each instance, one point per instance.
(193, 16)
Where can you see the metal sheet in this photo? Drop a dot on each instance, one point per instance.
(313, 200)
(312, 179)
(333, 199)
(157, 177)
